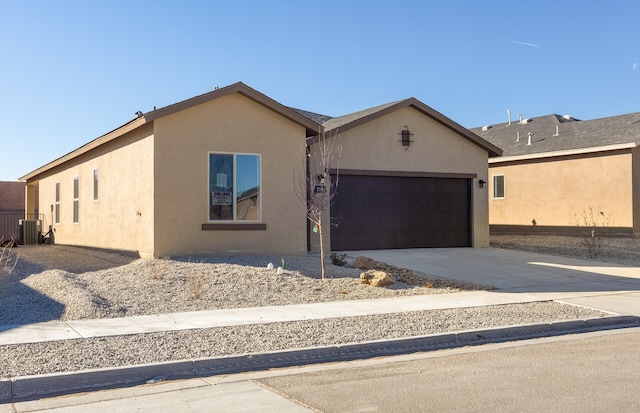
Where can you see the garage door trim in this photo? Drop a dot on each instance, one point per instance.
(364, 172)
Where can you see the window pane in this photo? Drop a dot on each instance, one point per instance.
(498, 186)
(247, 187)
(57, 203)
(95, 184)
(75, 211)
(76, 191)
(220, 187)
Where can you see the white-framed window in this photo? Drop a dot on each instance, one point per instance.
(234, 187)
(76, 199)
(95, 184)
(57, 204)
(498, 187)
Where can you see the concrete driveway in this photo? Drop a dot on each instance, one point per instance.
(609, 287)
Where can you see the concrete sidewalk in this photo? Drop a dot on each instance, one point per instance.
(68, 330)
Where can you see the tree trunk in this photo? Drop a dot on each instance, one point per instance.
(321, 250)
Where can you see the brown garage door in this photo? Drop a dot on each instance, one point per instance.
(384, 212)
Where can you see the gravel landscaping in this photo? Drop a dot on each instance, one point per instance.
(64, 283)
(56, 282)
(624, 251)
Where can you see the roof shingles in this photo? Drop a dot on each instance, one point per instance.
(572, 134)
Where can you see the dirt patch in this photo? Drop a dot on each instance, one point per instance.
(625, 251)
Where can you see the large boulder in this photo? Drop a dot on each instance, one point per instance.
(364, 263)
(376, 278)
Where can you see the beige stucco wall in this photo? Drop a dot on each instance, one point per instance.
(122, 217)
(636, 191)
(558, 191)
(230, 124)
(375, 146)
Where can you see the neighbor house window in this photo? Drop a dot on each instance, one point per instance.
(57, 204)
(95, 184)
(76, 200)
(234, 187)
(498, 186)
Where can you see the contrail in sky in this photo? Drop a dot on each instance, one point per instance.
(523, 43)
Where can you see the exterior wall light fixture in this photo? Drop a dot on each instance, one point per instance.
(405, 137)
(482, 183)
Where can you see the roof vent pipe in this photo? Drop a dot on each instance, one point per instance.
(520, 116)
(517, 136)
(557, 130)
(529, 140)
(509, 116)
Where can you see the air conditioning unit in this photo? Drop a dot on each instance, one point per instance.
(29, 228)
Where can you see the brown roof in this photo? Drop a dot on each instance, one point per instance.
(239, 87)
(144, 118)
(352, 120)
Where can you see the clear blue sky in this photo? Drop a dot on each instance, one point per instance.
(71, 71)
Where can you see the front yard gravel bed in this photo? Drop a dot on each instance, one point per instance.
(55, 282)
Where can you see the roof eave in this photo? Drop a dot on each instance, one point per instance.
(491, 149)
(101, 140)
(312, 128)
(238, 87)
(567, 152)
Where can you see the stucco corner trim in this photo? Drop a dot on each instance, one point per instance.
(233, 227)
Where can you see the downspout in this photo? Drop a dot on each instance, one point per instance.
(308, 175)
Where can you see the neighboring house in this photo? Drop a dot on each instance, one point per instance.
(11, 209)
(213, 175)
(408, 177)
(555, 170)
(11, 197)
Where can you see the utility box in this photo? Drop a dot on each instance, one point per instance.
(29, 230)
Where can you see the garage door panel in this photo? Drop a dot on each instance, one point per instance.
(379, 212)
(398, 220)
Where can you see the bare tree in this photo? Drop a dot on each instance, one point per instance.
(8, 259)
(316, 182)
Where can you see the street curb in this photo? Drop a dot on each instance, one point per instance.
(31, 387)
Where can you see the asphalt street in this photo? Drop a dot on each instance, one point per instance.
(582, 373)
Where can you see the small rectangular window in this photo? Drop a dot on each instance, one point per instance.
(76, 199)
(95, 184)
(234, 187)
(498, 186)
(57, 204)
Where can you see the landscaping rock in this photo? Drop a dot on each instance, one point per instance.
(376, 278)
(364, 263)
